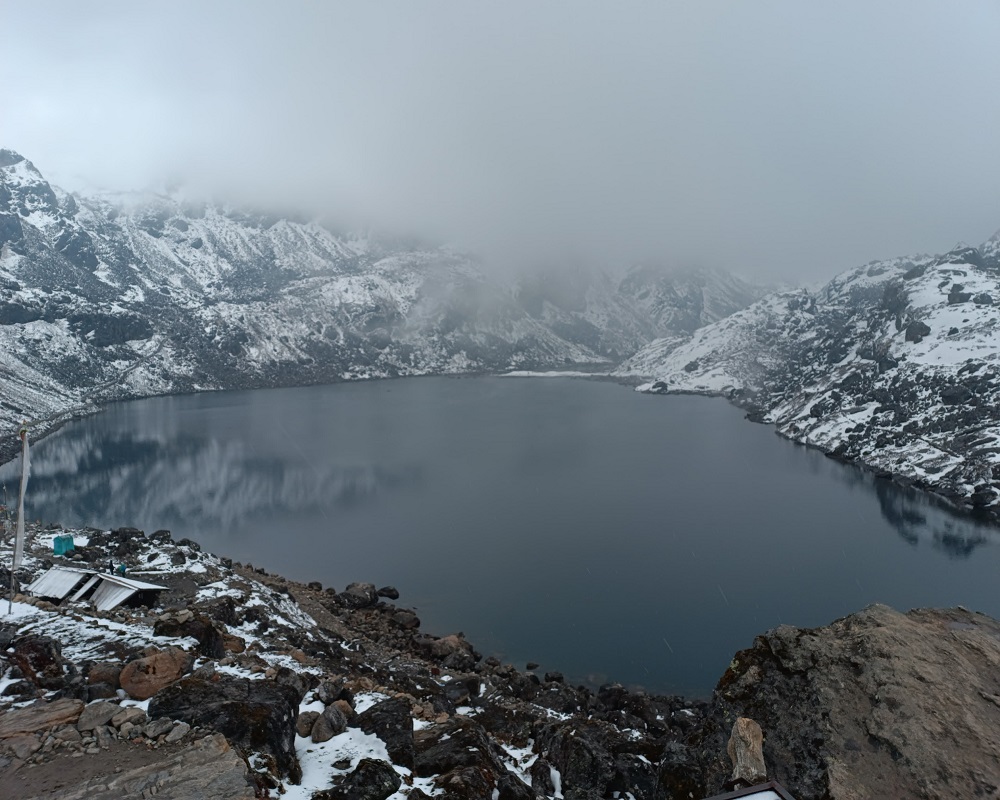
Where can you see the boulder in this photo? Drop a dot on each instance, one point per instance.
(467, 783)
(144, 677)
(255, 715)
(305, 721)
(40, 660)
(105, 673)
(129, 716)
(372, 779)
(955, 395)
(388, 592)
(391, 722)
(453, 651)
(328, 724)
(407, 619)
(359, 595)
(510, 787)
(180, 730)
(581, 751)
(97, 714)
(329, 691)
(916, 331)
(294, 680)
(23, 746)
(40, 716)
(211, 640)
(157, 728)
(460, 742)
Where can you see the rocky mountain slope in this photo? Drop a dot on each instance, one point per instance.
(237, 683)
(113, 296)
(894, 366)
(291, 688)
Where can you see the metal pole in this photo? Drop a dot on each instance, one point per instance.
(6, 536)
(20, 534)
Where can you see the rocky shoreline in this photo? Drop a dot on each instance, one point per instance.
(238, 683)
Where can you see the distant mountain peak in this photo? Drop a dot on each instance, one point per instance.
(10, 157)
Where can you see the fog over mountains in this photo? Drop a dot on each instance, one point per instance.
(113, 296)
(893, 365)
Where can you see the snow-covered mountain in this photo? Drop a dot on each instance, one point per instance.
(894, 365)
(112, 296)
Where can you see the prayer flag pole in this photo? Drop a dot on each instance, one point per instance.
(19, 534)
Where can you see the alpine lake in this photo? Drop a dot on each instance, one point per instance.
(606, 534)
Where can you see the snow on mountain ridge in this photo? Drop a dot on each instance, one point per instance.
(894, 366)
(120, 295)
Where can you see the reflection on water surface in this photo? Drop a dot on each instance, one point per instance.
(602, 533)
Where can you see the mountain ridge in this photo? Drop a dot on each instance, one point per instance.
(108, 297)
(893, 366)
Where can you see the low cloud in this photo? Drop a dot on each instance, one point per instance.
(777, 139)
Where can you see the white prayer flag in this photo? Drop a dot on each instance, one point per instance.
(25, 471)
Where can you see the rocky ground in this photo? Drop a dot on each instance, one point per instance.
(315, 692)
(236, 683)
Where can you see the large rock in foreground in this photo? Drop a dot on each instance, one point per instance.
(206, 770)
(878, 704)
(258, 716)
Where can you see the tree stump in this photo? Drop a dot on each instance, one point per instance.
(746, 751)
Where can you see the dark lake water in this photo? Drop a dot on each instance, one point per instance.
(600, 532)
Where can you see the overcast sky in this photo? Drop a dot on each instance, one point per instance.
(785, 139)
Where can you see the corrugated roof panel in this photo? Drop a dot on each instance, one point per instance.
(130, 582)
(109, 595)
(57, 582)
(83, 589)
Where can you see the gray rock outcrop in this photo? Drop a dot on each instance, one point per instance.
(206, 770)
(877, 704)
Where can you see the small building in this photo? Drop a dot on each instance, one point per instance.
(106, 591)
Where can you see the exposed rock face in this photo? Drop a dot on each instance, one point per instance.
(258, 715)
(878, 704)
(40, 660)
(206, 770)
(39, 717)
(389, 720)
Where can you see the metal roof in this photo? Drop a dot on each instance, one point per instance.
(57, 582)
(108, 595)
(112, 590)
(137, 585)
